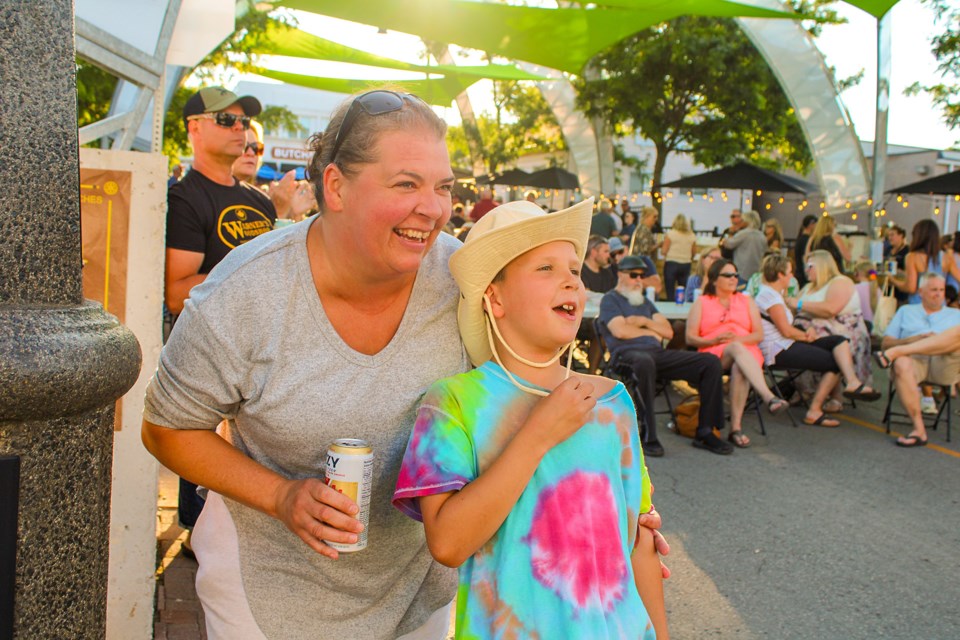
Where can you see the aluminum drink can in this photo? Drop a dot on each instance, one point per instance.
(679, 297)
(651, 294)
(350, 471)
(892, 267)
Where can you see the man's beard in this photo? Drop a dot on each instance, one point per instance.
(634, 296)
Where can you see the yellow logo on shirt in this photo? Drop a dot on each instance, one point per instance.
(240, 223)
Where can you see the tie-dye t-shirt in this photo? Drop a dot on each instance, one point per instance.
(559, 566)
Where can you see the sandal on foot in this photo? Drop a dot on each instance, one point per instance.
(832, 406)
(880, 357)
(823, 421)
(860, 394)
(777, 405)
(911, 441)
(738, 439)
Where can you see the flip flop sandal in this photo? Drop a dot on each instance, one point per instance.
(832, 406)
(860, 394)
(880, 357)
(822, 422)
(737, 439)
(913, 441)
(777, 405)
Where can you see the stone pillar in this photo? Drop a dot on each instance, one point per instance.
(63, 361)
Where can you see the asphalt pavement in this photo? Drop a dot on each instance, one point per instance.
(813, 532)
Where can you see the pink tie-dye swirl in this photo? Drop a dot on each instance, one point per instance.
(575, 543)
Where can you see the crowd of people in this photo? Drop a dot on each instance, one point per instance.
(754, 306)
(283, 341)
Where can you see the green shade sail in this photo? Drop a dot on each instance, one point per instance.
(876, 8)
(440, 92)
(563, 39)
(283, 40)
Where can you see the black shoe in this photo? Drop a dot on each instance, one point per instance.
(653, 449)
(713, 444)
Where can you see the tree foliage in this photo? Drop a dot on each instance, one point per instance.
(277, 120)
(695, 85)
(946, 48)
(521, 123)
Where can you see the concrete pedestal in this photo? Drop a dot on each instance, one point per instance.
(63, 362)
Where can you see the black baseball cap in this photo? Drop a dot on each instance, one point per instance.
(214, 99)
(632, 263)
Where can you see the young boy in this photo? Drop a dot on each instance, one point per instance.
(528, 477)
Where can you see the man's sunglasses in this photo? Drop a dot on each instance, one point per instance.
(256, 147)
(733, 274)
(223, 119)
(633, 275)
(373, 103)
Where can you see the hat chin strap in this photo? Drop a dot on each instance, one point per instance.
(490, 323)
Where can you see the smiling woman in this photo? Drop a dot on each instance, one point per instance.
(327, 329)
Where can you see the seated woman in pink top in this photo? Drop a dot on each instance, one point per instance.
(727, 324)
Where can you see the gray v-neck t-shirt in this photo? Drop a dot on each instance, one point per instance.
(254, 347)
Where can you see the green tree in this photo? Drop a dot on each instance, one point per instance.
(276, 119)
(521, 123)
(946, 48)
(94, 91)
(697, 85)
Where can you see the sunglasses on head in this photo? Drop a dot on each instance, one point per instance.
(223, 119)
(633, 275)
(729, 274)
(373, 103)
(256, 147)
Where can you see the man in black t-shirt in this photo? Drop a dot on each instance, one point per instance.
(209, 212)
(596, 273)
(897, 238)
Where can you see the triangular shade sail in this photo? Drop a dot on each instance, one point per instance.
(743, 175)
(876, 8)
(436, 91)
(283, 40)
(563, 39)
(946, 184)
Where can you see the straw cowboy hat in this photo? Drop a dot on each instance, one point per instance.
(503, 234)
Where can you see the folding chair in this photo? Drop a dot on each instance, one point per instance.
(943, 410)
(612, 367)
(780, 376)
